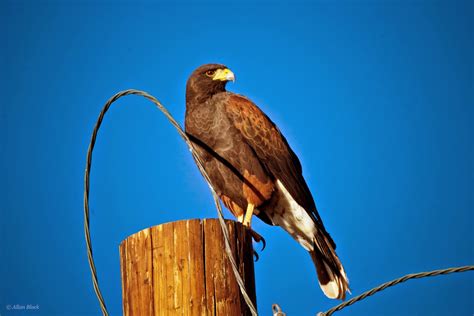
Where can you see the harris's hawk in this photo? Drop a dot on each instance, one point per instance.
(254, 171)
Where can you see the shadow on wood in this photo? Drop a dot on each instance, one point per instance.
(181, 268)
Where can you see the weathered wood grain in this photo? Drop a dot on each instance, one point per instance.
(181, 268)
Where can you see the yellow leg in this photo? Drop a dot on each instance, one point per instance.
(248, 215)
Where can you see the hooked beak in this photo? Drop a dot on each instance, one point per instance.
(224, 75)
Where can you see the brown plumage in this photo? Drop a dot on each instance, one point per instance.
(250, 162)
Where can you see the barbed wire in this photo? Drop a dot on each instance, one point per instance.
(199, 163)
(393, 283)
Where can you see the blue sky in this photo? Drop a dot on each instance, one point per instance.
(376, 98)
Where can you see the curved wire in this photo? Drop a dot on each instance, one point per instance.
(201, 169)
(393, 283)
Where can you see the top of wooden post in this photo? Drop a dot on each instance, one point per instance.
(181, 268)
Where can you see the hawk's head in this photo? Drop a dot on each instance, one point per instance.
(207, 80)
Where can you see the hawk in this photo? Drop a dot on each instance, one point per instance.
(254, 170)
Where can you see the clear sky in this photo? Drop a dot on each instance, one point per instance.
(375, 97)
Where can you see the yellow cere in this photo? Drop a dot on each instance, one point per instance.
(224, 75)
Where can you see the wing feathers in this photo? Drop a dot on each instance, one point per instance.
(273, 151)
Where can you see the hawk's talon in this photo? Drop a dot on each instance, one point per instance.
(258, 238)
(255, 254)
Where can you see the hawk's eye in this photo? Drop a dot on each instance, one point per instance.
(210, 73)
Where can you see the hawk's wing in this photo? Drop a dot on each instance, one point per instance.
(272, 150)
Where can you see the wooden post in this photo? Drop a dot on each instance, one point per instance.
(181, 268)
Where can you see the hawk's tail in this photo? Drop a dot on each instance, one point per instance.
(332, 277)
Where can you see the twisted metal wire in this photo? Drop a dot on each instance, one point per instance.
(199, 163)
(395, 282)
